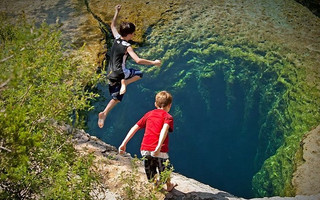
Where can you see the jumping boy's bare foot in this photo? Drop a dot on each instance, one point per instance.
(170, 186)
(123, 88)
(102, 117)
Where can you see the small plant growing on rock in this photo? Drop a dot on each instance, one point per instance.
(136, 188)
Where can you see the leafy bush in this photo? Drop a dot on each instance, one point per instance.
(135, 189)
(40, 88)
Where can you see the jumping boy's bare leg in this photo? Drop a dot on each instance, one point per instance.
(102, 115)
(125, 82)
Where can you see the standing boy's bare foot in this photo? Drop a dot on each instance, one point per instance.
(170, 186)
(102, 117)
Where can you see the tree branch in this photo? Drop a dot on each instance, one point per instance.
(5, 59)
(5, 83)
(1, 147)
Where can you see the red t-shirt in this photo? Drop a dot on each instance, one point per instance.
(153, 122)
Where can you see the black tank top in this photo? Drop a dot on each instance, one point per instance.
(118, 57)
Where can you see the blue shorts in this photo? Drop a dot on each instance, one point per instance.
(114, 90)
(134, 72)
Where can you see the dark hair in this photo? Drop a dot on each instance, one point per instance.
(127, 28)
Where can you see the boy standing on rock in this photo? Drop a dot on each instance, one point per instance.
(154, 146)
(117, 73)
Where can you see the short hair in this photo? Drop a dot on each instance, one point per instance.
(163, 99)
(127, 28)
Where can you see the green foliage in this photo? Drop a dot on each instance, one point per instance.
(165, 176)
(134, 189)
(40, 88)
(130, 179)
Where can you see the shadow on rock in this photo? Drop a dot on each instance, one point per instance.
(178, 195)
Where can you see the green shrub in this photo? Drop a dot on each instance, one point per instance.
(135, 189)
(40, 89)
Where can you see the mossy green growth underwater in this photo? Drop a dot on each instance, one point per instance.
(289, 107)
(207, 40)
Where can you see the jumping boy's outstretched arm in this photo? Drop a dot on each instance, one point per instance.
(142, 61)
(162, 137)
(138, 60)
(130, 134)
(114, 21)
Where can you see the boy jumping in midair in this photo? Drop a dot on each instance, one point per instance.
(117, 73)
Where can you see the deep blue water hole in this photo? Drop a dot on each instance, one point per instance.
(214, 141)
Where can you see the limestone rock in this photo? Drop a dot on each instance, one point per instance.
(307, 176)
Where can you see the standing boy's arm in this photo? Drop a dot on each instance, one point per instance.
(162, 137)
(130, 134)
(114, 21)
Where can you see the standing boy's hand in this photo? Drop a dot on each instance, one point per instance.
(156, 152)
(122, 149)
